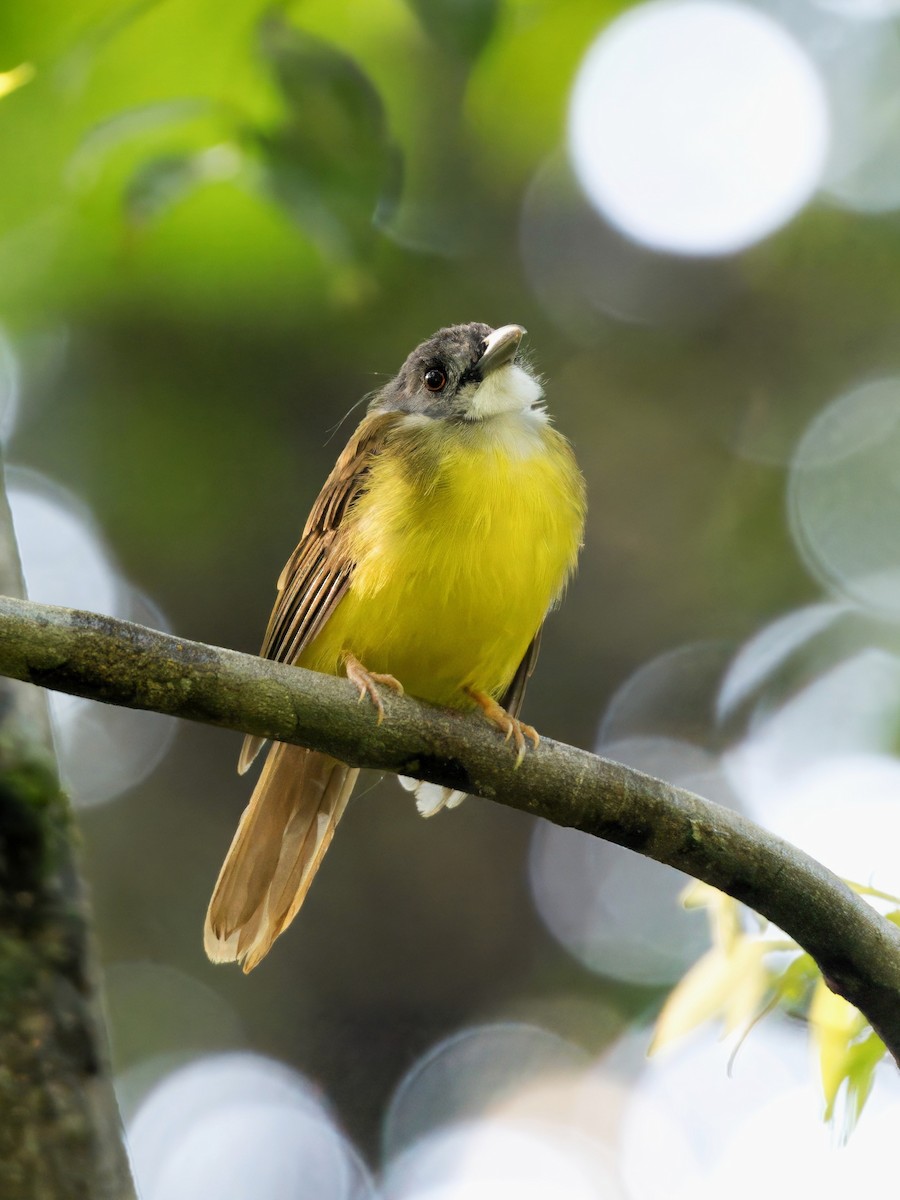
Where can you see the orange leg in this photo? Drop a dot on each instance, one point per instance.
(510, 727)
(366, 681)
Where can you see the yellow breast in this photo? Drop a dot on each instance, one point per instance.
(464, 538)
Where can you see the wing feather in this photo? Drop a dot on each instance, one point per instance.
(515, 693)
(318, 573)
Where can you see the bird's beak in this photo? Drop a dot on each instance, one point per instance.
(500, 347)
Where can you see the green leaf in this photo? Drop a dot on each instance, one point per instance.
(325, 90)
(792, 986)
(464, 26)
(128, 125)
(161, 182)
(723, 912)
(157, 184)
(729, 983)
(834, 1024)
(862, 1060)
(331, 162)
(849, 1053)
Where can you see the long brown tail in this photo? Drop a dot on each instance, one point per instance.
(282, 837)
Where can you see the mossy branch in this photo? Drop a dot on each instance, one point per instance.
(117, 662)
(60, 1131)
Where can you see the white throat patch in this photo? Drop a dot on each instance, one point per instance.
(508, 389)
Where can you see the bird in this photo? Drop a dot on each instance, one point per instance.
(443, 536)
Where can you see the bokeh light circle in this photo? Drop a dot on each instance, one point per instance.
(698, 126)
(685, 1103)
(844, 496)
(501, 1159)
(671, 696)
(696, 1127)
(860, 61)
(616, 911)
(582, 269)
(103, 750)
(466, 1074)
(161, 1019)
(240, 1127)
(845, 812)
(64, 558)
(843, 809)
(770, 648)
(10, 387)
(850, 709)
(862, 10)
(255, 1150)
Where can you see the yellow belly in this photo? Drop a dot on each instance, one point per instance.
(463, 540)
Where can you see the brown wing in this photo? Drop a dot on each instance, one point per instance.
(515, 693)
(318, 573)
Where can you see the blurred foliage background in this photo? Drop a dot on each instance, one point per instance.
(223, 224)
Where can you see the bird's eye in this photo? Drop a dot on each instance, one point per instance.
(435, 379)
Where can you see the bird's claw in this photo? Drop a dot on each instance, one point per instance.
(366, 683)
(511, 727)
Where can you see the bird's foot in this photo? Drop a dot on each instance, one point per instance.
(509, 726)
(366, 682)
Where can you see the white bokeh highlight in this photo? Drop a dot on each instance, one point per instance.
(582, 270)
(64, 558)
(817, 764)
(672, 695)
(467, 1074)
(10, 387)
(851, 708)
(241, 1127)
(861, 66)
(616, 911)
(698, 127)
(856, 50)
(862, 10)
(845, 812)
(103, 750)
(770, 649)
(160, 1019)
(844, 496)
(693, 1129)
(502, 1159)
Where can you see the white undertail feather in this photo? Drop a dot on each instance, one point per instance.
(279, 844)
(431, 797)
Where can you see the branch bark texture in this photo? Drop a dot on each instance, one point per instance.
(117, 662)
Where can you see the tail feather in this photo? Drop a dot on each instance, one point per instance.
(250, 747)
(278, 847)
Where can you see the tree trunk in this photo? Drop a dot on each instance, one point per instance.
(60, 1135)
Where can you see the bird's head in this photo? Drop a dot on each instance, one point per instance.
(464, 373)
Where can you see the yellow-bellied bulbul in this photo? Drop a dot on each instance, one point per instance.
(445, 532)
